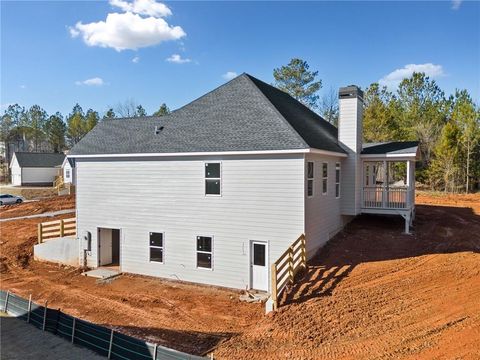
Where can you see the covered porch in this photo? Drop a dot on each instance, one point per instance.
(388, 173)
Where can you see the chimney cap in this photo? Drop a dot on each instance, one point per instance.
(351, 91)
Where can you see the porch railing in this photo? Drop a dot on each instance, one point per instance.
(379, 197)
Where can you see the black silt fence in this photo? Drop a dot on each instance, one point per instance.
(100, 339)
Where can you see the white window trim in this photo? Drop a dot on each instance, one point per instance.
(338, 167)
(205, 178)
(312, 179)
(204, 252)
(324, 178)
(157, 247)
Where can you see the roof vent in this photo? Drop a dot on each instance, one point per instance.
(158, 129)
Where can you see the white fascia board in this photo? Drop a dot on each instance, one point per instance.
(14, 157)
(383, 156)
(212, 153)
(328, 153)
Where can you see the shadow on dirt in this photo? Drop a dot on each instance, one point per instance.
(193, 342)
(368, 238)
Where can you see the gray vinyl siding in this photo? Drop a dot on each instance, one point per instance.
(262, 199)
(40, 175)
(322, 212)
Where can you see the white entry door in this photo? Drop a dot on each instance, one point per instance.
(105, 246)
(259, 265)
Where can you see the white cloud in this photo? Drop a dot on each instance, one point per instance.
(140, 26)
(143, 7)
(136, 59)
(229, 75)
(96, 81)
(395, 77)
(456, 4)
(177, 59)
(23, 86)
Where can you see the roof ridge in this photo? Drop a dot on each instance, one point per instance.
(299, 102)
(285, 121)
(328, 128)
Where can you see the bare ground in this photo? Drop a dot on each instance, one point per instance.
(372, 293)
(38, 207)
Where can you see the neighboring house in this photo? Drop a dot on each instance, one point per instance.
(68, 171)
(35, 169)
(216, 191)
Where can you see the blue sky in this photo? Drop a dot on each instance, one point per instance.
(102, 53)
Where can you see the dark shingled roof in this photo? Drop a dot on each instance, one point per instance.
(32, 159)
(244, 114)
(390, 147)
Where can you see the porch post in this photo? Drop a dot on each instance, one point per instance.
(385, 184)
(407, 195)
(408, 173)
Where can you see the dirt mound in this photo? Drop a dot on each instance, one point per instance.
(17, 239)
(38, 207)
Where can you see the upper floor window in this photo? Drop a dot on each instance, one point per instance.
(67, 173)
(324, 178)
(337, 180)
(310, 178)
(212, 179)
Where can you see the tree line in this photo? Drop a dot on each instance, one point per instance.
(447, 127)
(34, 130)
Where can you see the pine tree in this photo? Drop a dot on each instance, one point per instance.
(162, 110)
(76, 125)
(56, 130)
(91, 119)
(296, 80)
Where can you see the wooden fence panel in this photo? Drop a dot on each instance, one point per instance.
(284, 270)
(57, 228)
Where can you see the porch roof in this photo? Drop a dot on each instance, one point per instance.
(390, 149)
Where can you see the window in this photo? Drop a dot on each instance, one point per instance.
(337, 180)
(310, 178)
(212, 179)
(156, 247)
(324, 178)
(204, 252)
(67, 173)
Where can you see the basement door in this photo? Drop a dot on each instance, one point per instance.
(108, 246)
(259, 265)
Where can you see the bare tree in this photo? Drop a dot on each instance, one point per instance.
(127, 109)
(329, 106)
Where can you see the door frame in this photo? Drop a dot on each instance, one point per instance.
(250, 262)
(120, 237)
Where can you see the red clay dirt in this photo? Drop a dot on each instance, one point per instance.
(371, 293)
(38, 207)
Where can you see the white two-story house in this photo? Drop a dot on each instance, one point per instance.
(214, 192)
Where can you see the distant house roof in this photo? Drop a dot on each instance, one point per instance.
(32, 159)
(244, 114)
(390, 147)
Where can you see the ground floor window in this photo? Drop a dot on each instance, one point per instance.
(204, 252)
(156, 247)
